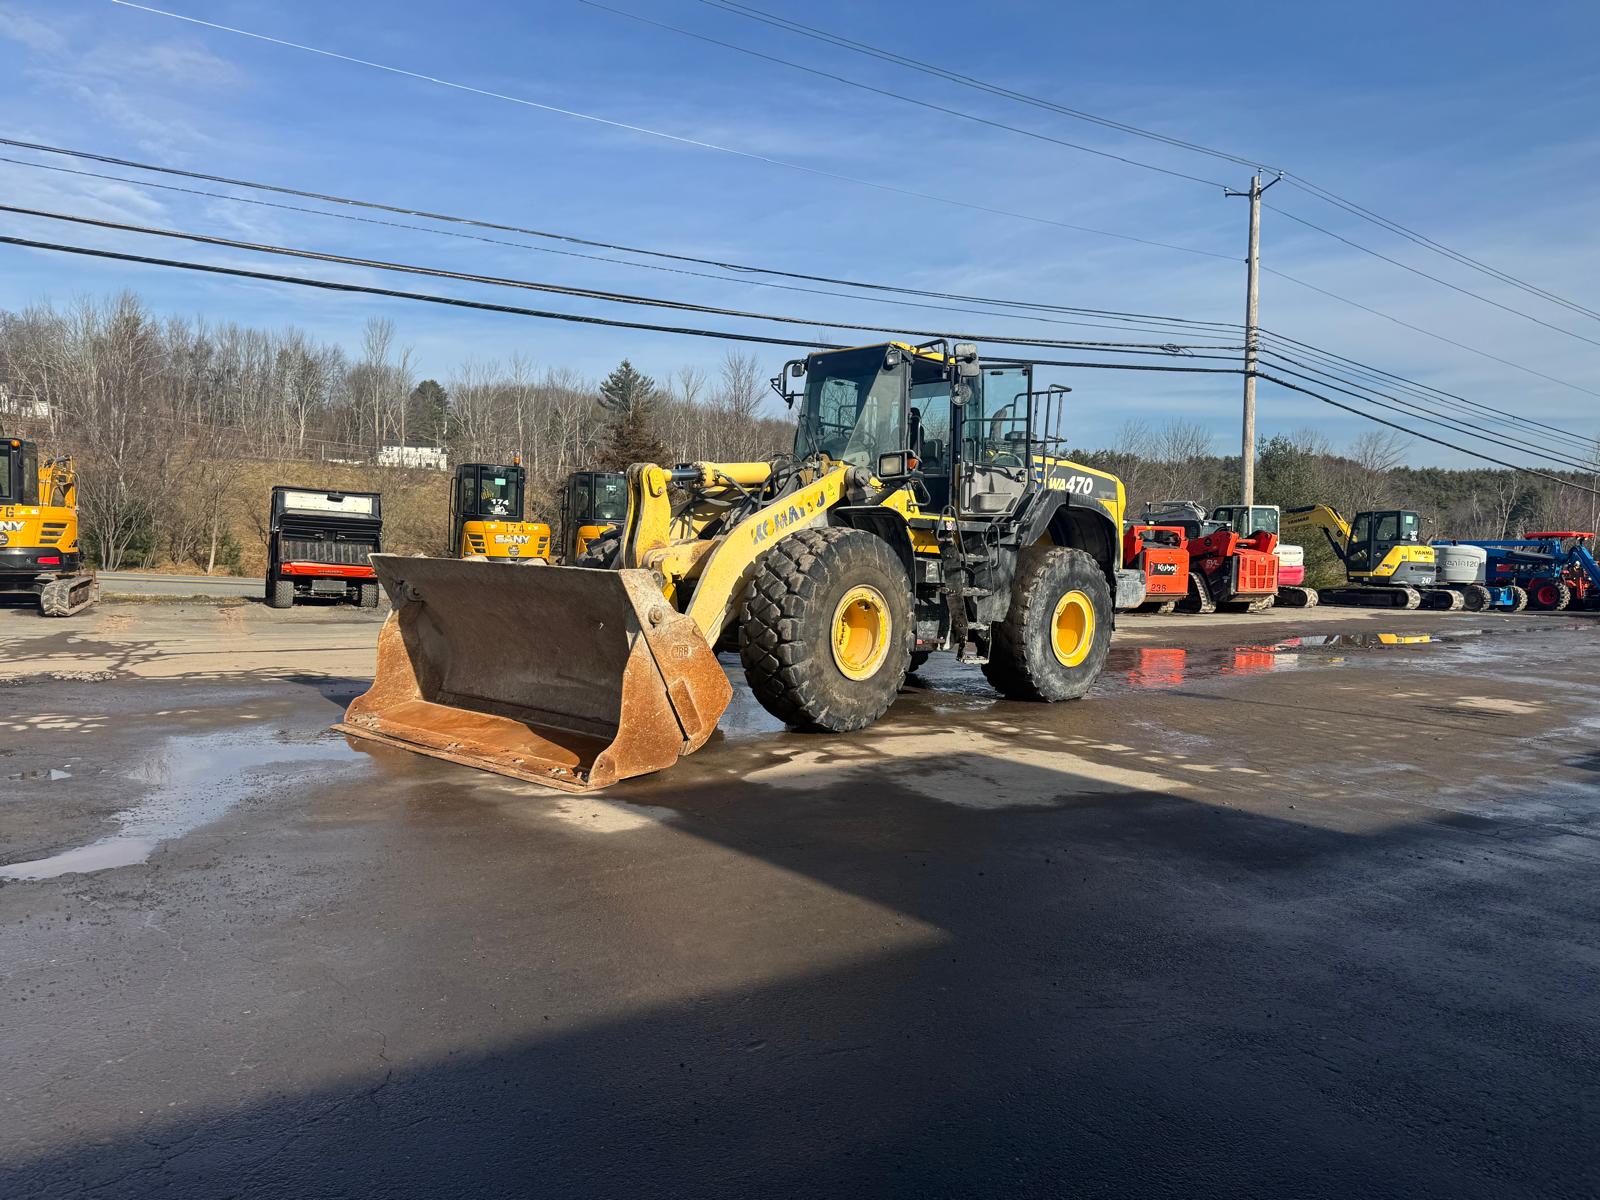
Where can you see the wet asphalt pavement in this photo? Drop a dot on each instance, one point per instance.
(1286, 907)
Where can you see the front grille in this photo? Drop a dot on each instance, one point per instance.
(344, 554)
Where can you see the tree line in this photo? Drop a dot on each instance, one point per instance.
(161, 413)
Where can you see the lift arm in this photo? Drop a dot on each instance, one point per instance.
(1299, 521)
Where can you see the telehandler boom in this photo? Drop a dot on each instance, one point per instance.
(921, 509)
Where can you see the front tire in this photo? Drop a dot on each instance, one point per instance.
(825, 630)
(1054, 640)
(367, 597)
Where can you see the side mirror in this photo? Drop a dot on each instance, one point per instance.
(796, 369)
(966, 356)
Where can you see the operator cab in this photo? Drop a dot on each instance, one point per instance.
(487, 492)
(19, 472)
(1374, 534)
(963, 432)
(594, 502)
(1246, 519)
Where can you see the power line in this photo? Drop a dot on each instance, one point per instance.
(750, 12)
(1204, 327)
(657, 133)
(514, 310)
(622, 262)
(1479, 296)
(1295, 387)
(1454, 424)
(1132, 348)
(844, 43)
(928, 104)
(1466, 260)
(1426, 332)
(742, 268)
(1423, 390)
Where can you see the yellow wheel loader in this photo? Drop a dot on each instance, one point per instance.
(921, 510)
(486, 509)
(39, 550)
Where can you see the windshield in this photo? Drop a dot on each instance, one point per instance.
(853, 407)
(1258, 519)
(497, 491)
(610, 498)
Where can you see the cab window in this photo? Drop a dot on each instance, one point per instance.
(610, 499)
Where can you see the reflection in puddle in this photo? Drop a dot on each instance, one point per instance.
(44, 774)
(1157, 667)
(193, 781)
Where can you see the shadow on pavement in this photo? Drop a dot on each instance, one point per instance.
(841, 988)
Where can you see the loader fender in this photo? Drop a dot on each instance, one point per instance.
(1054, 519)
(887, 523)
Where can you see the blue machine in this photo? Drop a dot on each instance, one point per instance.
(1556, 568)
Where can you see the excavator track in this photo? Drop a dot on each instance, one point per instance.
(65, 597)
(1443, 600)
(1297, 597)
(1199, 598)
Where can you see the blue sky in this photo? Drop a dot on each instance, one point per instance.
(1472, 123)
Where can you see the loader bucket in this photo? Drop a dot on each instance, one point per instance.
(565, 676)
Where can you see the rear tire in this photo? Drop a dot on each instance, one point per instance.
(1053, 642)
(825, 630)
(1549, 595)
(368, 596)
(1519, 599)
(280, 593)
(1477, 597)
(919, 659)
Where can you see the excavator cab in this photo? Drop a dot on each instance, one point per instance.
(486, 509)
(1375, 535)
(593, 503)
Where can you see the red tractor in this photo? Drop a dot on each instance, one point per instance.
(1227, 569)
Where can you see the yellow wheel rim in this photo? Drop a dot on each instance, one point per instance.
(861, 631)
(1072, 628)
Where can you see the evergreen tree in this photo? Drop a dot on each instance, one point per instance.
(625, 390)
(428, 412)
(631, 398)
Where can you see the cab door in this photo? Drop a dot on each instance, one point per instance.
(995, 441)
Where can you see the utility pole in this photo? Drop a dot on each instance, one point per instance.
(1247, 449)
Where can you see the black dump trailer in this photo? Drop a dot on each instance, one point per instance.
(318, 544)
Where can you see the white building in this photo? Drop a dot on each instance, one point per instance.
(430, 457)
(16, 406)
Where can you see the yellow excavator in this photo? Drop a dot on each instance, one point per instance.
(39, 550)
(1386, 562)
(922, 510)
(593, 505)
(486, 509)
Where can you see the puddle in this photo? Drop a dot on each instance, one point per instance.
(1158, 667)
(192, 781)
